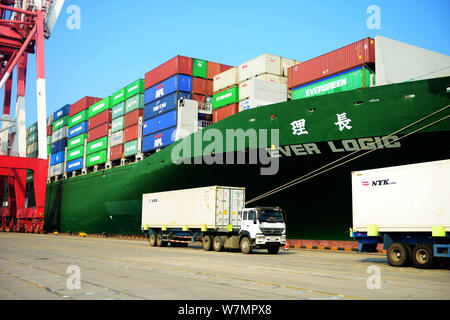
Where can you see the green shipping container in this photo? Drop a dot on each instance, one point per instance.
(135, 102)
(130, 148)
(49, 150)
(96, 158)
(119, 96)
(58, 124)
(33, 128)
(99, 107)
(199, 68)
(49, 140)
(137, 87)
(118, 110)
(118, 124)
(75, 153)
(226, 97)
(97, 145)
(349, 80)
(32, 138)
(76, 141)
(77, 119)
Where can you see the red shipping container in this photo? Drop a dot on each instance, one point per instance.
(345, 58)
(213, 69)
(132, 118)
(224, 68)
(225, 112)
(99, 119)
(179, 64)
(199, 85)
(49, 130)
(131, 133)
(210, 88)
(201, 99)
(99, 132)
(116, 152)
(82, 104)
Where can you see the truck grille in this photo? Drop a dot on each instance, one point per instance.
(272, 231)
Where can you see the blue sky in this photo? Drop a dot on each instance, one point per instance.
(119, 41)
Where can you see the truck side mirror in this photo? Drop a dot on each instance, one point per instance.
(254, 218)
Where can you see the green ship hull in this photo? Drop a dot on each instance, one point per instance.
(313, 132)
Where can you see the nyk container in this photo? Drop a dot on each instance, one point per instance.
(226, 79)
(117, 138)
(160, 123)
(177, 65)
(356, 78)
(118, 96)
(99, 132)
(73, 165)
(96, 158)
(165, 104)
(58, 114)
(82, 104)
(118, 110)
(158, 140)
(76, 141)
(173, 84)
(199, 68)
(132, 117)
(137, 87)
(99, 119)
(75, 153)
(225, 112)
(226, 97)
(130, 148)
(99, 107)
(78, 129)
(265, 63)
(345, 58)
(116, 152)
(57, 158)
(118, 124)
(77, 119)
(97, 145)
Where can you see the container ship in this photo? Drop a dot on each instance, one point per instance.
(290, 132)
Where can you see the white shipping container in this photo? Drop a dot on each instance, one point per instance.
(272, 78)
(286, 64)
(215, 207)
(252, 103)
(57, 169)
(245, 91)
(265, 63)
(60, 134)
(270, 92)
(117, 138)
(225, 79)
(410, 198)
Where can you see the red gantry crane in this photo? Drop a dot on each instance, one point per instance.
(24, 24)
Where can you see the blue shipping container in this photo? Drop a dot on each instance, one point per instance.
(59, 146)
(57, 158)
(158, 140)
(160, 123)
(78, 129)
(58, 114)
(76, 164)
(164, 104)
(179, 82)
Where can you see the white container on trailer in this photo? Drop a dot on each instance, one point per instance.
(215, 207)
(265, 63)
(410, 198)
(225, 79)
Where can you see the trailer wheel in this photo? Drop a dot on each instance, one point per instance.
(217, 244)
(152, 240)
(398, 255)
(207, 242)
(422, 256)
(159, 241)
(246, 246)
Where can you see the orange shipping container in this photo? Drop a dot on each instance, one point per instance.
(116, 152)
(225, 112)
(199, 86)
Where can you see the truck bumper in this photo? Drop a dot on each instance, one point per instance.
(265, 241)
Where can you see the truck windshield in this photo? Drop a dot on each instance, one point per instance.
(270, 216)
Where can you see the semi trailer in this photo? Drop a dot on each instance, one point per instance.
(214, 215)
(407, 209)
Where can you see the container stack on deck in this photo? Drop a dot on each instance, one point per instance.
(32, 141)
(49, 135)
(59, 141)
(344, 69)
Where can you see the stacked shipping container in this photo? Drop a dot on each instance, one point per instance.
(99, 124)
(59, 141)
(340, 70)
(32, 141)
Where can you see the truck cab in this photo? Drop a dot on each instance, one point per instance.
(264, 227)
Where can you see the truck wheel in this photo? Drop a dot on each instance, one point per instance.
(422, 256)
(217, 244)
(207, 242)
(159, 241)
(273, 249)
(398, 255)
(152, 240)
(246, 246)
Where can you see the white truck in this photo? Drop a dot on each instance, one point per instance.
(407, 208)
(214, 215)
